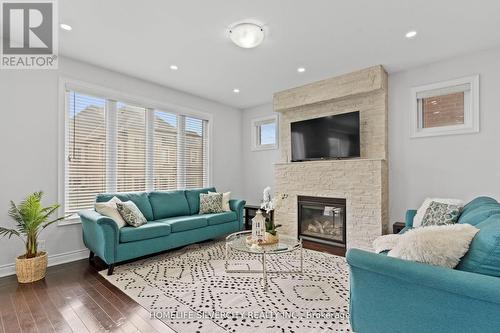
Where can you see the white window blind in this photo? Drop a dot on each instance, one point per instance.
(113, 146)
(165, 151)
(85, 154)
(131, 148)
(195, 153)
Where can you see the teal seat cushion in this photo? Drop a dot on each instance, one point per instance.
(193, 198)
(146, 231)
(483, 256)
(220, 218)
(168, 204)
(478, 202)
(184, 223)
(140, 199)
(479, 213)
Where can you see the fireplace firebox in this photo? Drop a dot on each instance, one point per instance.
(322, 220)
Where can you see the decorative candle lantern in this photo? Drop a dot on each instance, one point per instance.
(259, 227)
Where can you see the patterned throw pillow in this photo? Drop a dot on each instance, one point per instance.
(226, 196)
(211, 203)
(440, 213)
(131, 214)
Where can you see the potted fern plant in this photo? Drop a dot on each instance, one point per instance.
(31, 219)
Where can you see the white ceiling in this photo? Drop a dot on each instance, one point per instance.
(327, 37)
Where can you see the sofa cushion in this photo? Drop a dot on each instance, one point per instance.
(479, 213)
(149, 230)
(183, 223)
(220, 218)
(483, 256)
(140, 199)
(168, 204)
(193, 198)
(477, 202)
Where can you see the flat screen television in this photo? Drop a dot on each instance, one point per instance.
(331, 137)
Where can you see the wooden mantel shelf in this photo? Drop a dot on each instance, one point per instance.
(347, 160)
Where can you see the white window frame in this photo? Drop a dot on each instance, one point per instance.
(67, 84)
(255, 132)
(471, 107)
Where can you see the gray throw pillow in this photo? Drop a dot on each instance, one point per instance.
(440, 213)
(211, 203)
(131, 214)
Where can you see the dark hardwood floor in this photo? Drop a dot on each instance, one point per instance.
(72, 298)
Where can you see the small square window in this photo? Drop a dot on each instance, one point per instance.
(445, 110)
(264, 133)
(450, 107)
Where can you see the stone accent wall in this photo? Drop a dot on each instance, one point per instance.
(362, 182)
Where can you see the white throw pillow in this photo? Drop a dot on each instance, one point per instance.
(440, 245)
(109, 209)
(417, 220)
(226, 196)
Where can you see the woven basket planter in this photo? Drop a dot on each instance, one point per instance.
(32, 269)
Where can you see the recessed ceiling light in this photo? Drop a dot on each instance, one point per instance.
(66, 27)
(411, 34)
(236, 90)
(174, 67)
(246, 35)
(301, 69)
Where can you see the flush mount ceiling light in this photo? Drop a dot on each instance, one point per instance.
(246, 35)
(411, 34)
(66, 27)
(174, 67)
(301, 69)
(236, 90)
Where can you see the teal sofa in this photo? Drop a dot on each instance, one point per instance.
(173, 221)
(393, 295)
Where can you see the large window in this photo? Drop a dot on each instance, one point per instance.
(112, 146)
(85, 150)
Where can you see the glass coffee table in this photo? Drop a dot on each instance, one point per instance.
(237, 242)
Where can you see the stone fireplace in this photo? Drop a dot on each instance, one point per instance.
(322, 220)
(360, 182)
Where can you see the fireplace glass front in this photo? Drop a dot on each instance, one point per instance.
(322, 220)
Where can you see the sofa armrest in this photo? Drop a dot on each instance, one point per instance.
(100, 234)
(436, 299)
(237, 206)
(410, 214)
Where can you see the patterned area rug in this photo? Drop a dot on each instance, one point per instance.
(189, 291)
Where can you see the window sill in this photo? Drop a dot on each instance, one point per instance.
(267, 147)
(69, 221)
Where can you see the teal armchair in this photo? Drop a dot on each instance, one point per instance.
(394, 295)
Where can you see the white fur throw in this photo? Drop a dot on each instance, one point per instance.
(441, 245)
(385, 242)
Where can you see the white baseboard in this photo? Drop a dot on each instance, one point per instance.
(55, 259)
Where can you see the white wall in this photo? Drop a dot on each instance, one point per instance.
(29, 142)
(458, 166)
(257, 165)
